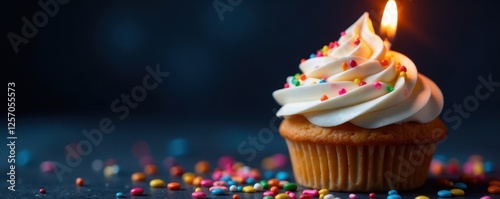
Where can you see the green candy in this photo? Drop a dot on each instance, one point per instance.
(290, 187)
(264, 184)
(268, 197)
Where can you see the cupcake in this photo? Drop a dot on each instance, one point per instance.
(360, 118)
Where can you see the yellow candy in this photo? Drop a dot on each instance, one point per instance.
(422, 197)
(188, 177)
(282, 196)
(157, 183)
(198, 189)
(323, 191)
(477, 168)
(357, 81)
(457, 192)
(321, 196)
(248, 189)
(108, 171)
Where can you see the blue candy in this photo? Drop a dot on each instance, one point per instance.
(268, 174)
(119, 195)
(218, 192)
(251, 181)
(460, 185)
(282, 175)
(231, 182)
(444, 193)
(240, 188)
(225, 178)
(394, 196)
(392, 192)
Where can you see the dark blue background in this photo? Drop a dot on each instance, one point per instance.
(222, 73)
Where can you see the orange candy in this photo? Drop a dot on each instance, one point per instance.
(174, 186)
(238, 179)
(176, 171)
(273, 182)
(138, 177)
(494, 189)
(197, 181)
(202, 167)
(275, 190)
(151, 169)
(79, 182)
(236, 196)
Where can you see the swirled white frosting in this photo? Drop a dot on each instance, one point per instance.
(382, 88)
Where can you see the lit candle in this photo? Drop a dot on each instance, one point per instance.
(389, 23)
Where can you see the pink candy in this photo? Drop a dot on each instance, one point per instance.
(312, 192)
(136, 191)
(217, 187)
(377, 85)
(207, 183)
(292, 195)
(268, 193)
(485, 197)
(198, 195)
(220, 183)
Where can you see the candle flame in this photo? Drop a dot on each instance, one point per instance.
(389, 21)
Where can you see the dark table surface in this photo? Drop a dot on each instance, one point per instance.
(45, 138)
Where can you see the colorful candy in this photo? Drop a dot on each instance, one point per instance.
(248, 189)
(290, 187)
(444, 193)
(188, 177)
(157, 183)
(422, 197)
(258, 187)
(176, 171)
(353, 63)
(493, 189)
(136, 191)
(236, 196)
(282, 196)
(329, 196)
(323, 98)
(202, 167)
(174, 186)
(138, 177)
(151, 169)
(377, 85)
(218, 191)
(79, 182)
(394, 196)
(269, 193)
(43, 191)
(372, 195)
(457, 192)
(198, 195)
(207, 183)
(119, 195)
(312, 192)
(352, 196)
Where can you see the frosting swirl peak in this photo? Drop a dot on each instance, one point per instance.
(356, 79)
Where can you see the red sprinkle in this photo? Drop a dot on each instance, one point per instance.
(302, 60)
(362, 83)
(402, 68)
(323, 98)
(377, 85)
(353, 63)
(331, 45)
(384, 62)
(357, 42)
(286, 85)
(43, 191)
(342, 33)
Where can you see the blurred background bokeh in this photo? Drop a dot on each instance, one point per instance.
(222, 69)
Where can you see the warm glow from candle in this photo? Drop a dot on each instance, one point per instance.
(389, 21)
